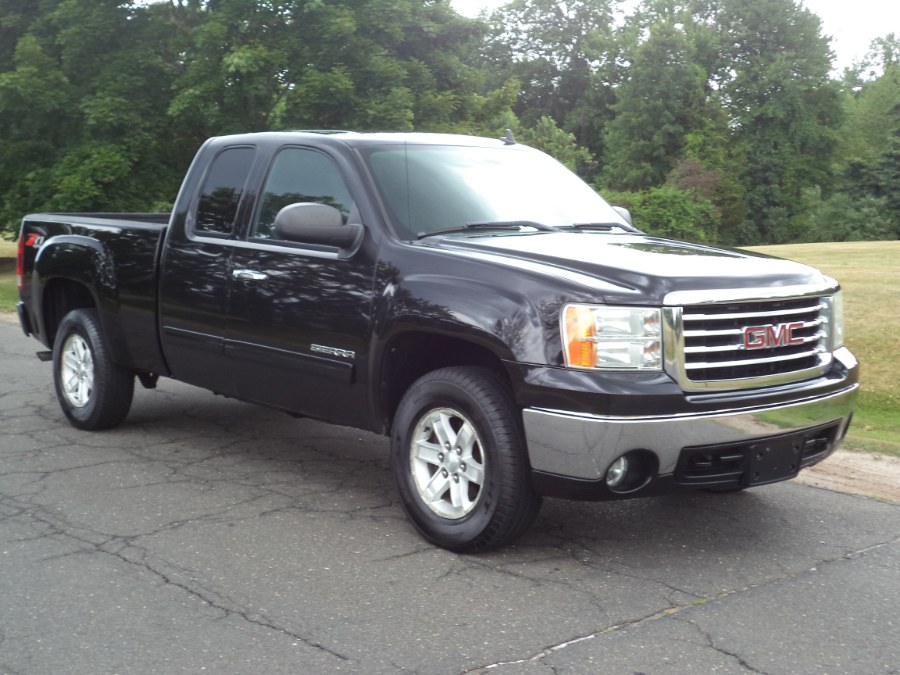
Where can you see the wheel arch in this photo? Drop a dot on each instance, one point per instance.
(77, 272)
(69, 270)
(58, 298)
(433, 318)
(410, 354)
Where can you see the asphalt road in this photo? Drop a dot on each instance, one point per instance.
(210, 535)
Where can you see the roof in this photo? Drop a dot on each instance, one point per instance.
(355, 138)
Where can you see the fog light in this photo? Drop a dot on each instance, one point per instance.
(617, 472)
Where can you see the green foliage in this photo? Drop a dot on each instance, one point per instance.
(843, 217)
(563, 54)
(783, 108)
(554, 141)
(666, 211)
(872, 113)
(9, 292)
(721, 188)
(884, 53)
(865, 203)
(103, 102)
(81, 117)
(660, 104)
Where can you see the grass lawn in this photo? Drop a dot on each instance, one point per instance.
(9, 294)
(8, 249)
(869, 272)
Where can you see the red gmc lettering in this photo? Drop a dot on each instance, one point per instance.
(766, 337)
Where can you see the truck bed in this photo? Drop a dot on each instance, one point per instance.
(113, 255)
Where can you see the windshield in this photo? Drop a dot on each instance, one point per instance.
(431, 188)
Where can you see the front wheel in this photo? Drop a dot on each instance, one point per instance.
(93, 392)
(458, 457)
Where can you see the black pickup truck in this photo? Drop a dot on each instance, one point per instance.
(514, 334)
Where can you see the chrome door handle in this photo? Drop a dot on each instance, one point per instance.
(249, 275)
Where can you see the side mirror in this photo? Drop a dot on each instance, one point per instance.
(314, 223)
(625, 213)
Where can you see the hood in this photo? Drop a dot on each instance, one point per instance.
(633, 266)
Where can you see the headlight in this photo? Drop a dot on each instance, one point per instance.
(612, 338)
(836, 320)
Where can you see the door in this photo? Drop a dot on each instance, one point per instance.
(299, 316)
(195, 274)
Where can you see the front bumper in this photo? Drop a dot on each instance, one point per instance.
(571, 452)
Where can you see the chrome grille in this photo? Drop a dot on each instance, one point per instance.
(749, 343)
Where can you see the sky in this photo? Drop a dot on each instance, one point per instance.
(852, 24)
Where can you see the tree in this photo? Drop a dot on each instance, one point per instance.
(546, 136)
(666, 211)
(564, 56)
(36, 117)
(661, 102)
(784, 110)
(870, 117)
(109, 52)
(884, 52)
(364, 64)
(103, 102)
(843, 217)
(865, 204)
(81, 116)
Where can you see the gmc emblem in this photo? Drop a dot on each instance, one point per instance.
(766, 337)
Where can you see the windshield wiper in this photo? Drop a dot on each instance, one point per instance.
(600, 227)
(491, 225)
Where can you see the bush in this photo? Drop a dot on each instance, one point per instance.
(666, 211)
(843, 217)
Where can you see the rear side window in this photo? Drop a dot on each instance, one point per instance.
(222, 190)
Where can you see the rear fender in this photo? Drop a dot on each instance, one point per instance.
(70, 259)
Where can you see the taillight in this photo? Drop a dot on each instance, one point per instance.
(20, 261)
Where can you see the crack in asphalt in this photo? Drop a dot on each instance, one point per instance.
(278, 473)
(673, 613)
(553, 649)
(711, 643)
(58, 527)
(229, 608)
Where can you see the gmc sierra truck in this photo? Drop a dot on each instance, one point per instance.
(513, 334)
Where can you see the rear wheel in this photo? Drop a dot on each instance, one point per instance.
(458, 457)
(93, 392)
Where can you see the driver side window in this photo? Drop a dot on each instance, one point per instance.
(299, 175)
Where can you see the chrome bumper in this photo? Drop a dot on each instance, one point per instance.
(583, 446)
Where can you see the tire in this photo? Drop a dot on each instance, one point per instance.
(459, 462)
(93, 392)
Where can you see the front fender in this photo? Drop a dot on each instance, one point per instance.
(504, 320)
